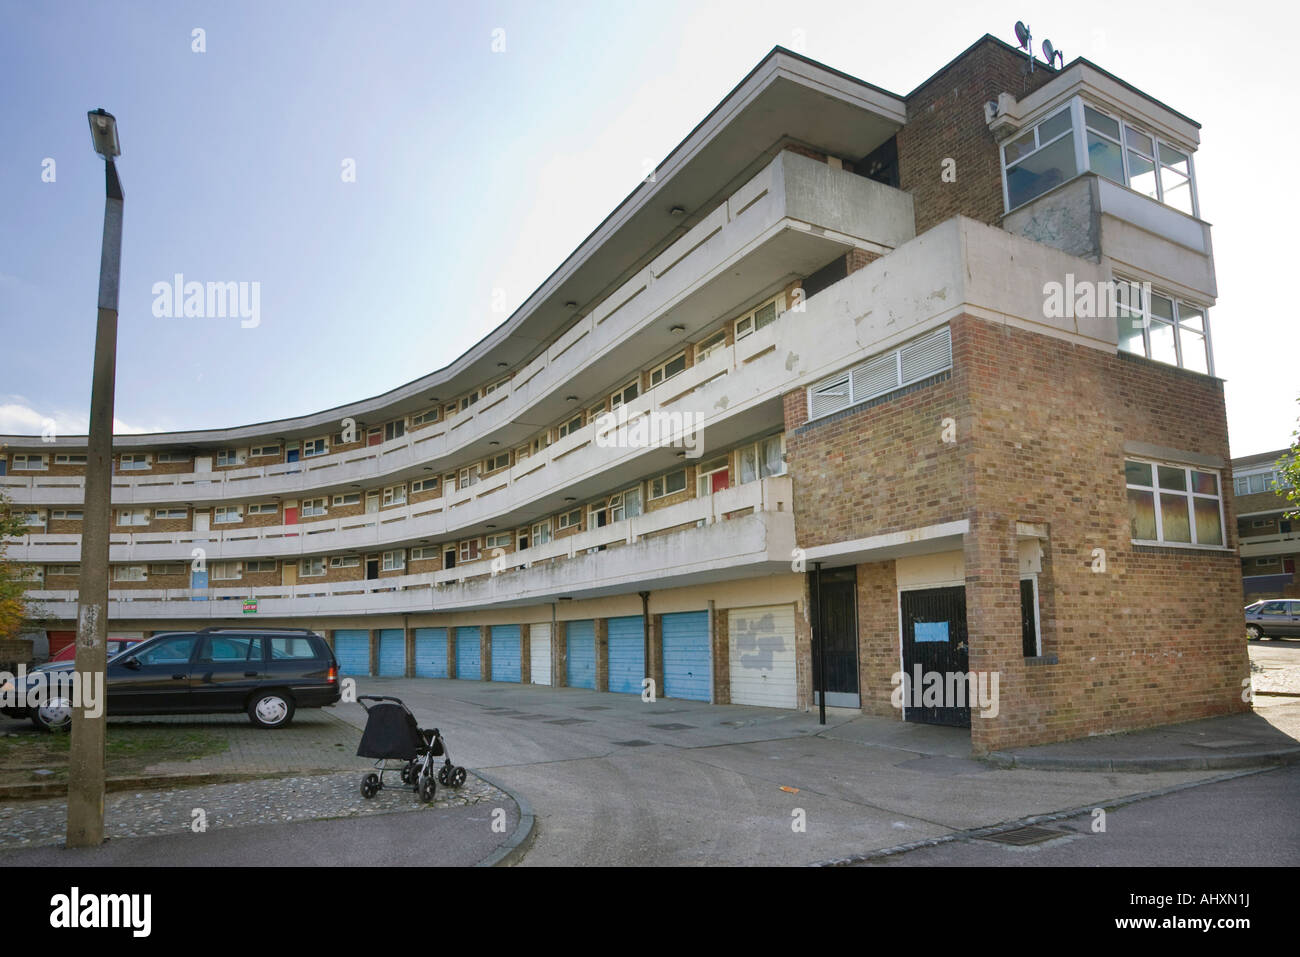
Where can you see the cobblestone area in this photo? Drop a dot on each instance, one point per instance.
(279, 800)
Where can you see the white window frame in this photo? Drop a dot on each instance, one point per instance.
(424, 553)
(1075, 112)
(170, 513)
(568, 427)
(166, 568)
(347, 498)
(69, 459)
(393, 561)
(174, 458)
(541, 533)
(311, 567)
(661, 370)
(68, 515)
(569, 519)
(500, 540)
(393, 495)
(264, 508)
(264, 451)
(221, 514)
(468, 550)
(30, 463)
(495, 463)
(425, 485)
(661, 482)
(313, 507)
(135, 517)
(468, 476)
(1141, 290)
(394, 430)
(130, 573)
(712, 344)
(1188, 493)
(311, 448)
(426, 417)
(63, 571)
(254, 566)
(747, 324)
(225, 458)
(345, 561)
(134, 462)
(620, 396)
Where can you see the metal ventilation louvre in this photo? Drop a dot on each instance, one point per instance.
(875, 377)
(926, 356)
(829, 397)
(885, 373)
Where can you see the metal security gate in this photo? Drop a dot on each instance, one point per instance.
(626, 654)
(839, 630)
(352, 649)
(687, 659)
(762, 658)
(539, 653)
(507, 653)
(469, 656)
(580, 654)
(431, 652)
(392, 653)
(935, 655)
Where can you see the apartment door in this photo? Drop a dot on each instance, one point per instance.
(372, 502)
(291, 518)
(375, 437)
(935, 655)
(202, 464)
(289, 575)
(719, 483)
(838, 632)
(202, 524)
(372, 567)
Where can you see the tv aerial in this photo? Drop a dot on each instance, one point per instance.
(1025, 39)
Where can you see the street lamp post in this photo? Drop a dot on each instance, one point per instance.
(86, 767)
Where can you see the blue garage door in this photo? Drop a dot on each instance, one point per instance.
(352, 649)
(626, 654)
(392, 653)
(431, 652)
(469, 659)
(686, 656)
(580, 654)
(507, 652)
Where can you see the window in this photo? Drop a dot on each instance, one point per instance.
(225, 514)
(1265, 562)
(172, 458)
(763, 459)
(348, 498)
(424, 554)
(311, 567)
(312, 507)
(469, 550)
(129, 573)
(425, 485)
(170, 513)
(468, 477)
(69, 460)
(1252, 484)
(260, 565)
(541, 442)
(489, 389)
(265, 451)
(467, 400)
(66, 515)
(395, 495)
(1173, 504)
(573, 425)
(69, 571)
(168, 568)
(133, 516)
(501, 540)
(541, 533)
(231, 648)
(571, 519)
(38, 518)
(1143, 162)
(882, 374)
(425, 418)
(394, 561)
(29, 463)
(223, 571)
(31, 573)
(292, 648)
(315, 447)
(1039, 159)
(497, 462)
(394, 430)
(134, 462)
(345, 561)
(704, 473)
(710, 346)
(264, 508)
(624, 395)
(1029, 630)
(596, 411)
(229, 457)
(674, 366)
(763, 316)
(170, 651)
(626, 504)
(668, 484)
(1163, 328)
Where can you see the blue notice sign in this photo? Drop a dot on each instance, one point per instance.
(932, 631)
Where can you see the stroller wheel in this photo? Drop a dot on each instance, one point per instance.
(370, 786)
(443, 777)
(457, 777)
(427, 789)
(408, 773)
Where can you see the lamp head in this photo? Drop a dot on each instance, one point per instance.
(103, 133)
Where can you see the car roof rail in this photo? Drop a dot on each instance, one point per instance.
(225, 629)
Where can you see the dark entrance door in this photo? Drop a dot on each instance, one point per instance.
(838, 627)
(935, 654)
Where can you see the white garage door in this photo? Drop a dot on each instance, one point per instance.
(761, 642)
(539, 660)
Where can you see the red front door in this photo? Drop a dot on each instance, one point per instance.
(291, 517)
(719, 481)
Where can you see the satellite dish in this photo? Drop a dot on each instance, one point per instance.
(1023, 36)
(1050, 53)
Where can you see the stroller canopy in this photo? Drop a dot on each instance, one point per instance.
(391, 732)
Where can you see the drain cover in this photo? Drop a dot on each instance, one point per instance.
(1024, 835)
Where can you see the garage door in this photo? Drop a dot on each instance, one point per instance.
(431, 652)
(539, 653)
(469, 656)
(686, 656)
(507, 651)
(761, 643)
(580, 654)
(392, 653)
(626, 654)
(352, 649)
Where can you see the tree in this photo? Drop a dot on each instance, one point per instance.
(13, 580)
(1290, 467)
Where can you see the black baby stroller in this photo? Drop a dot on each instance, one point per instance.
(392, 733)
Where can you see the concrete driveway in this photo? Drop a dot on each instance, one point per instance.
(617, 781)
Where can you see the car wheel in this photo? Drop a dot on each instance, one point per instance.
(1253, 633)
(54, 715)
(271, 709)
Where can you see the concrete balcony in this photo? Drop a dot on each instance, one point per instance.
(741, 532)
(787, 221)
(1262, 546)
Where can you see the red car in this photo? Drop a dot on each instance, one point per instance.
(115, 646)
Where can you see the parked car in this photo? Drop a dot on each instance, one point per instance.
(266, 673)
(115, 647)
(1274, 618)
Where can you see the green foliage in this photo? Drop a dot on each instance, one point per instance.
(13, 587)
(1290, 466)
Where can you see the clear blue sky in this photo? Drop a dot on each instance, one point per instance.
(479, 170)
